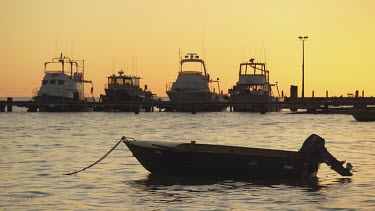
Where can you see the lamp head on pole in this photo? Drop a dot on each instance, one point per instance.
(303, 38)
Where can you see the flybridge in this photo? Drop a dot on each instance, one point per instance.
(192, 58)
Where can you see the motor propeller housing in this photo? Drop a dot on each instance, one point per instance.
(314, 149)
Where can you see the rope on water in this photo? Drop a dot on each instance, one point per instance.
(98, 161)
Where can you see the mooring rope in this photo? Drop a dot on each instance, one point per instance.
(102, 158)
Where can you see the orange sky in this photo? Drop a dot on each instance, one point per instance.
(339, 54)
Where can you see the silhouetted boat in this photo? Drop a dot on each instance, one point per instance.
(193, 89)
(62, 90)
(253, 90)
(122, 90)
(364, 115)
(219, 161)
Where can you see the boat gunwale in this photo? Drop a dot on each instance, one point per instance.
(218, 149)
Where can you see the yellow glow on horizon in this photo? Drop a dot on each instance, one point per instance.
(338, 54)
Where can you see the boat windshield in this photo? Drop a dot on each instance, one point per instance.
(254, 89)
(135, 81)
(246, 69)
(192, 67)
(123, 81)
(116, 81)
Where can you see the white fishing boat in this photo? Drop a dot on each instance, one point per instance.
(62, 87)
(193, 88)
(253, 91)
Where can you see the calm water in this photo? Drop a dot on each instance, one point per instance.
(37, 148)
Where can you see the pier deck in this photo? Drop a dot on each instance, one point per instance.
(312, 105)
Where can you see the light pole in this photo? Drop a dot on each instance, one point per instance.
(303, 39)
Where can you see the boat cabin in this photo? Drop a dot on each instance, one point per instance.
(117, 81)
(193, 76)
(253, 79)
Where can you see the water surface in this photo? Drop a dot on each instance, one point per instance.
(38, 148)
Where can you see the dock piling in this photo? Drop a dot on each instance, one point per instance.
(193, 111)
(9, 105)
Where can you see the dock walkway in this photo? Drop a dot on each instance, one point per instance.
(311, 104)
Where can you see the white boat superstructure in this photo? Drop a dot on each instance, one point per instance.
(194, 86)
(63, 82)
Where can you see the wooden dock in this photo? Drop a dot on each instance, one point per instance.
(308, 104)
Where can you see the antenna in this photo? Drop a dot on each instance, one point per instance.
(113, 67)
(56, 48)
(133, 67)
(136, 66)
(66, 47)
(204, 50)
(204, 42)
(71, 50)
(179, 60)
(123, 65)
(127, 64)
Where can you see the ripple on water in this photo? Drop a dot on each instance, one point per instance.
(36, 153)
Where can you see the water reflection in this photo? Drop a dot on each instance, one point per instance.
(158, 181)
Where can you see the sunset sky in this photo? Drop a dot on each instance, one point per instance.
(143, 37)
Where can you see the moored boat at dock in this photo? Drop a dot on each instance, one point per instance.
(220, 161)
(62, 87)
(253, 91)
(193, 90)
(122, 90)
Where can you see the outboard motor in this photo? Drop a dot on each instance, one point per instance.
(313, 148)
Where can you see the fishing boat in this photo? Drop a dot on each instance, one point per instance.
(193, 88)
(364, 115)
(253, 91)
(220, 161)
(123, 90)
(62, 87)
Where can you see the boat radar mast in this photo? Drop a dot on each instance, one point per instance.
(191, 58)
(121, 72)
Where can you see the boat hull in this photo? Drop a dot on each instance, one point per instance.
(189, 101)
(193, 160)
(58, 104)
(121, 95)
(125, 97)
(364, 115)
(253, 103)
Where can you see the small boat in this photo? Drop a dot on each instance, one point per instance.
(364, 115)
(62, 87)
(193, 88)
(253, 90)
(124, 90)
(219, 161)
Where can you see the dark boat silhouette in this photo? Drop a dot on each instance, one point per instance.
(122, 90)
(364, 115)
(253, 90)
(219, 161)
